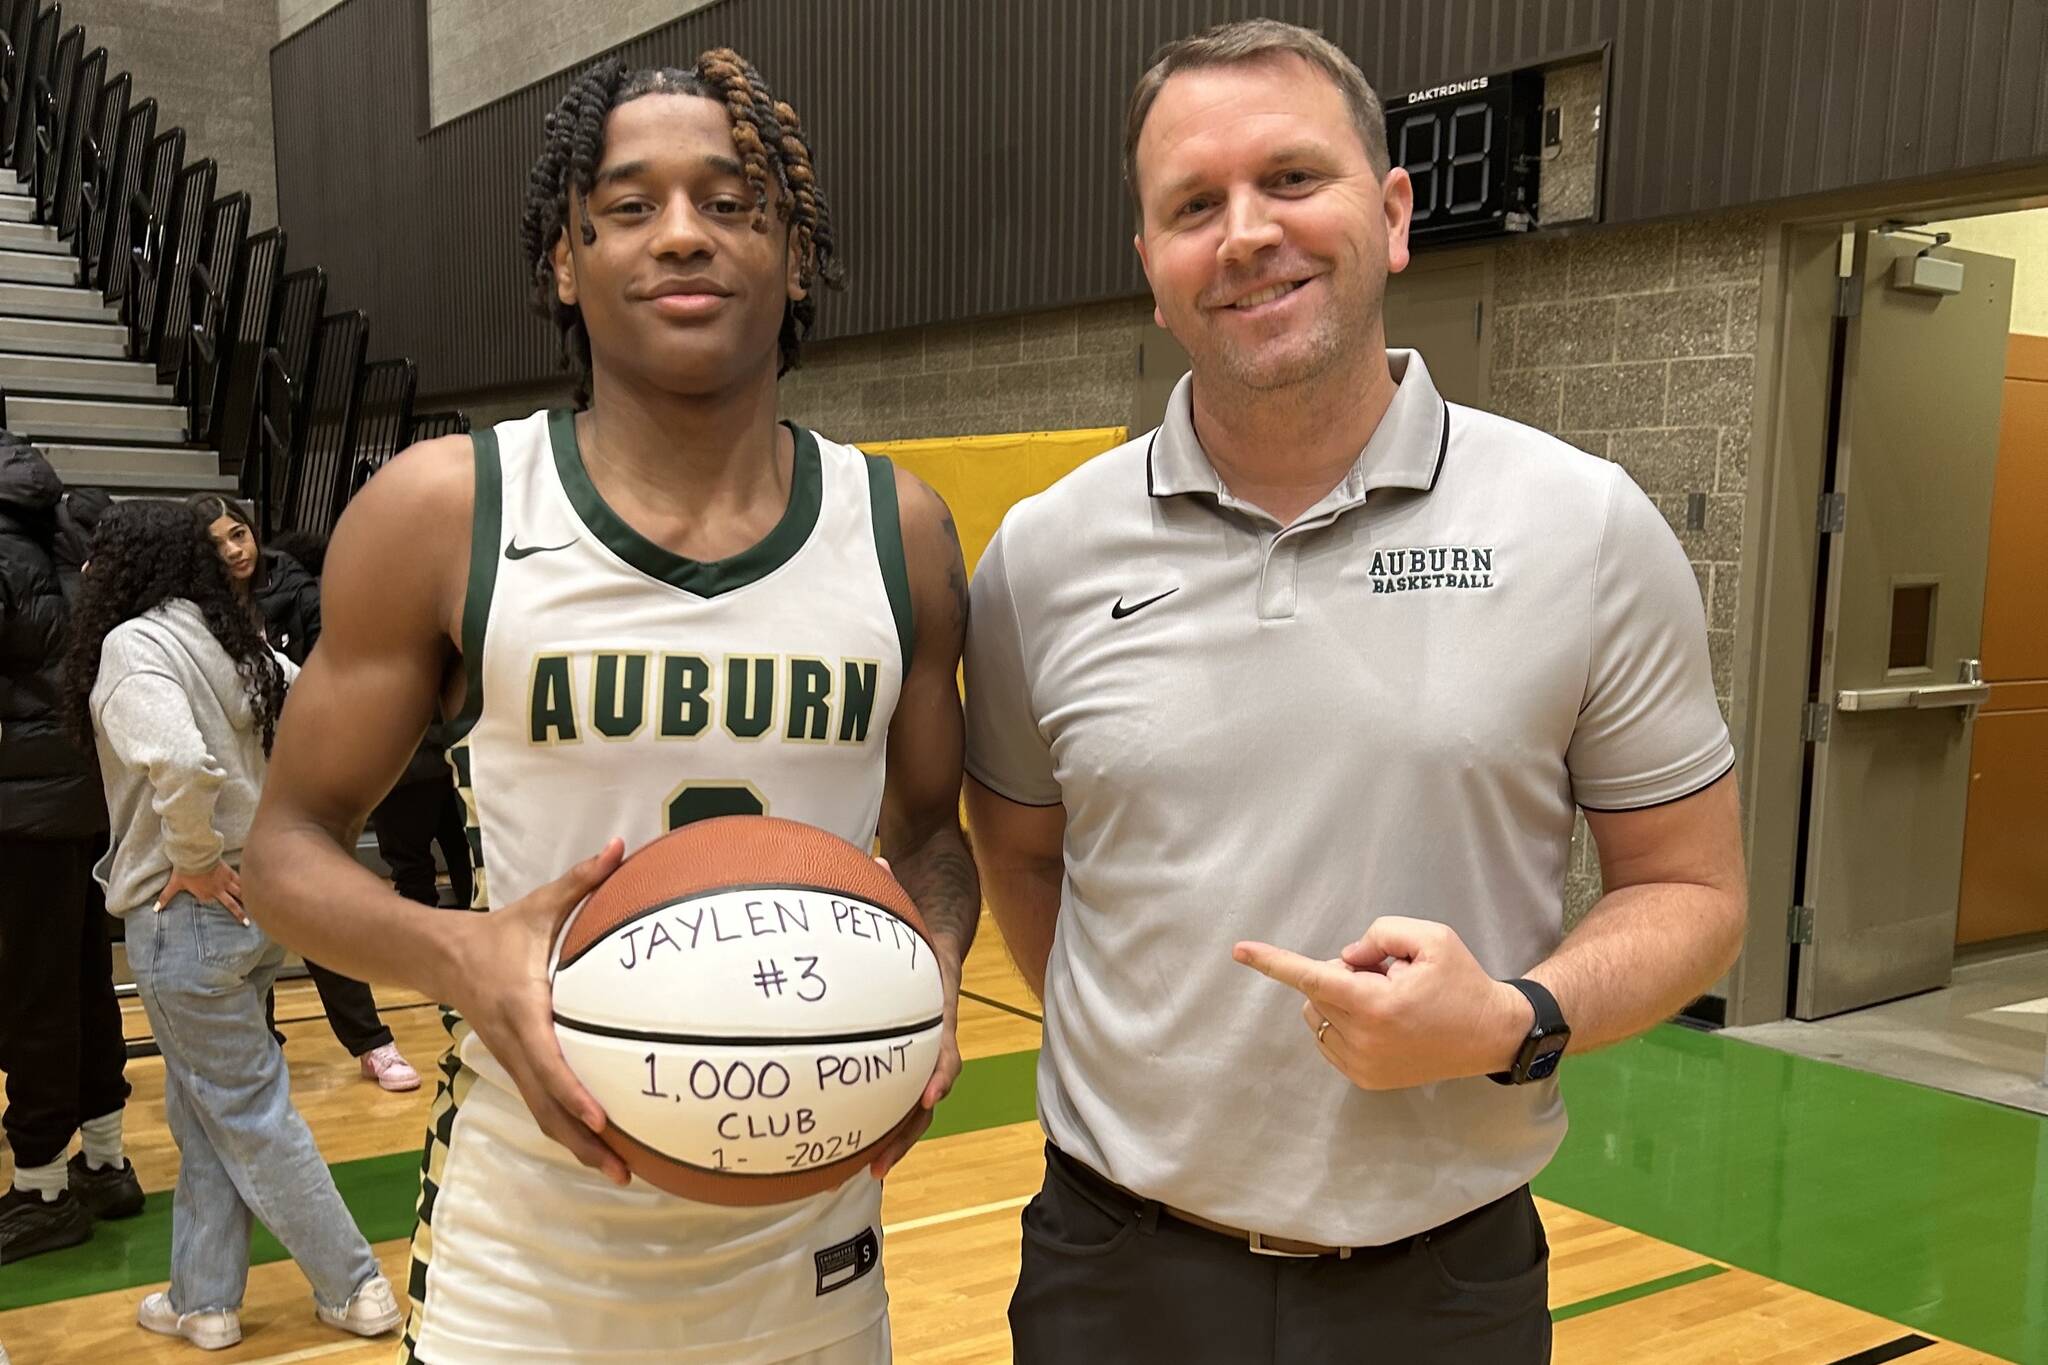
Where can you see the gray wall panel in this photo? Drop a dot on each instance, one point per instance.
(971, 146)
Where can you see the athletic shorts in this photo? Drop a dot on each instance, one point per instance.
(522, 1256)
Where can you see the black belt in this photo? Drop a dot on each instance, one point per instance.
(1257, 1243)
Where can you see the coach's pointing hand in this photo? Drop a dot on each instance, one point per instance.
(499, 985)
(1407, 1004)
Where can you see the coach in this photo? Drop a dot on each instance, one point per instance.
(1329, 663)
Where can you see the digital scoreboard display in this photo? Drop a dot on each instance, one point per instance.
(1473, 149)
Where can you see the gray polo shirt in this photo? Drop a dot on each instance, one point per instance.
(1389, 707)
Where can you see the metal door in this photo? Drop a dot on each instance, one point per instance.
(1903, 565)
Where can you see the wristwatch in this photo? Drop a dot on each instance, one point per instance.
(1545, 1044)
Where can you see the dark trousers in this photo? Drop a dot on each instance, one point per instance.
(60, 1026)
(408, 822)
(351, 1010)
(1111, 1279)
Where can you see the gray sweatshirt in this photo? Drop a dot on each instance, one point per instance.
(179, 750)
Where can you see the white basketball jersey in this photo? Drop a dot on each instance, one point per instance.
(616, 689)
(625, 690)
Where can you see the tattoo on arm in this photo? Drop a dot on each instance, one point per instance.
(939, 875)
(956, 564)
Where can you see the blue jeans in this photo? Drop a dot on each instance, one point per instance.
(243, 1149)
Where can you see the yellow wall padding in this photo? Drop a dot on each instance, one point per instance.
(982, 477)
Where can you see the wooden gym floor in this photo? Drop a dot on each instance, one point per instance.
(1715, 1202)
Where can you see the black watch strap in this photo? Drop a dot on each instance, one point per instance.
(1549, 1024)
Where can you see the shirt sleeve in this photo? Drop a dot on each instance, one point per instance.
(1006, 750)
(1649, 731)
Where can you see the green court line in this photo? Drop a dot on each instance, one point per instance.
(992, 1092)
(1923, 1207)
(1636, 1291)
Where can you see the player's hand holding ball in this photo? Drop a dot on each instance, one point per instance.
(498, 983)
(1405, 1005)
(948, 1070)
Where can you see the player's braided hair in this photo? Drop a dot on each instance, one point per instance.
(772, 148)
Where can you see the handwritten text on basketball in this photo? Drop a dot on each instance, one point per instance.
(687, 926)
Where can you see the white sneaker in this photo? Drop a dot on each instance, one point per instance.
(213, 1330)
(371, 1313)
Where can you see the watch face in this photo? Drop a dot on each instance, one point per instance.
(1544, 1064)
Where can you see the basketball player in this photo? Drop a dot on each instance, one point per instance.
(661, 607)
(1325, 661)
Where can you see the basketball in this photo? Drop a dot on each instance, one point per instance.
(755, 1004)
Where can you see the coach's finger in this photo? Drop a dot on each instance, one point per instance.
(1314, 979)
(1395, 938)
(1341, 1053)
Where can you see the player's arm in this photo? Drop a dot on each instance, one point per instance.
(353, 717)
(1018, 849)
(393, 602)
(921, 835)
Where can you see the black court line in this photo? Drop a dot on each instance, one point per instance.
(1005, 1007)
(1891, 1350)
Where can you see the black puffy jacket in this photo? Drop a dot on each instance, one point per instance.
(49, 786)
(289, 601)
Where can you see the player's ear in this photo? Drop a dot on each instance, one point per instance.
(565, 266)
(793, 285)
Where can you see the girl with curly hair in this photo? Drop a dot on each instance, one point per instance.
(285, 600)
(168, 677)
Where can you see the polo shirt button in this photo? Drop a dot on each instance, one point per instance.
(1277, 583)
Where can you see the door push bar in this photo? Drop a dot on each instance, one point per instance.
(1969, 691)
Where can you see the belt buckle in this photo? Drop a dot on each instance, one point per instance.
(1256, 1241)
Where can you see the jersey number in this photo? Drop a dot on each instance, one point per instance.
(694, 801)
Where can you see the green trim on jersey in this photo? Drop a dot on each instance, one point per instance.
(485, 527)
(888, 523)
(704, 579)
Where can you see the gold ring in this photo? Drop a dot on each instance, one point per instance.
(1321, 1029)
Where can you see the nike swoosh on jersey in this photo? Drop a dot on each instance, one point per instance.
(1120, 611)
(514, 550)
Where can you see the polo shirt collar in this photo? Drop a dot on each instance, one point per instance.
(1406, 449)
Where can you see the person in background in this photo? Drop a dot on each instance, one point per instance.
(421, 812)
(308, 547)
(286, 601)
(60, 1026)
(168, 677)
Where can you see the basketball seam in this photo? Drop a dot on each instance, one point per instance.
(729, 1174)
(720, 1040)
